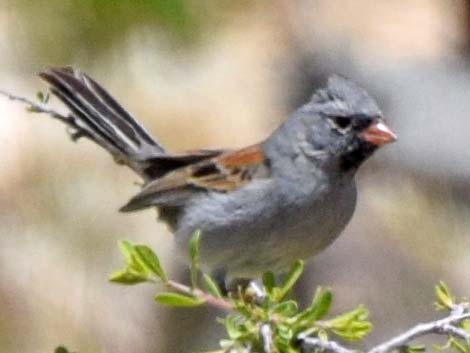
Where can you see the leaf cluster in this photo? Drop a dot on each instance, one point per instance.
(266, 319)
(445, 300)
(284, 322)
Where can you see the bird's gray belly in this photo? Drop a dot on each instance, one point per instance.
(258, 228)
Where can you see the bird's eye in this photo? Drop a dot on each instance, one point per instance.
(342, 122)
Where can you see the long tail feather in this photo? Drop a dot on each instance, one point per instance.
(104, 120)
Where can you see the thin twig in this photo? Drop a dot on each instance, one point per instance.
(267, 338)
(218, 303)
(444, 326)
(440, 327)
(328, 346)
(457, 332)
(35, 107)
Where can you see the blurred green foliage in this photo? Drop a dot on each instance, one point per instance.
(59, 30)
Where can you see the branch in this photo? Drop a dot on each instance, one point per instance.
(440, 327)
(324, 345)
(267, 338)
(444, 326)
(41, 108)
(215, 302)
(457, 332)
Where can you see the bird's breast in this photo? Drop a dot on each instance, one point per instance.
(266, 226)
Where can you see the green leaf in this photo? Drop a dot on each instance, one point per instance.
(194, 256)
(288, 308)
(226, 344)
(323, 335)
(465, 324)
(40, 96)
(445, 300)
(354, 332)
(61, 349)
(285, 332)
(459, 347)
(232, 326)
(358, 314)
(141, 261)
(352, 325)
(150, 261)
(127, 249)
(417, 348)
(291, 279)
(194, 246)
(322, 302)
(269, 281)
(31, 109)
(177, 300)
(210, 286)
(320, 306)
(128, 276)
(43, 97)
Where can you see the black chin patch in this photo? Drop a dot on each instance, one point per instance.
(354, 158)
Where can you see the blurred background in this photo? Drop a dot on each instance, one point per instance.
(216, 73)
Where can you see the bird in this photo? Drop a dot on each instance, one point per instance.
(257, 208)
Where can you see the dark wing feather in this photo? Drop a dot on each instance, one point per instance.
(225, 172)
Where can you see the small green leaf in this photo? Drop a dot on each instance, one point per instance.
(288, 308)
(354, 332)
(32, 109)
(194, 246)
(128, 276)
(61, 349)
(318, 309)
(458, 346)
(42, 97)
(126, 248)
(465, 324)
(417, 348)
(232, 326)
(445, 300)
(352, 325)
(226, 344)
(285, 332)
(323, 335)
(360, 313)
(269, 281)
(150, 261)
(291, 278)
(194, 256)
(210, 286)
(177, 300)
(322, 302)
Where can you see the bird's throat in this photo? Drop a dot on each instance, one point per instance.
(353, 159)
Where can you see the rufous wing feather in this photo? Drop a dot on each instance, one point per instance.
(223, 173)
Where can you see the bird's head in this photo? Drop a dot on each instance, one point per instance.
(343, 123)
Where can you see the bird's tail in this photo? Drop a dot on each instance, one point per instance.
(99, 117)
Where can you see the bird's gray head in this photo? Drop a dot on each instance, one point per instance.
(344, 122)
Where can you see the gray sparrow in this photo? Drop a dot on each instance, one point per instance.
(260, 207)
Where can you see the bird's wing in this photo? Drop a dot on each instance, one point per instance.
(223, 173)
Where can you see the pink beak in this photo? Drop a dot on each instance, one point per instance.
(378, 134)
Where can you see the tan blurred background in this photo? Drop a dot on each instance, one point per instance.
(221, 73)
